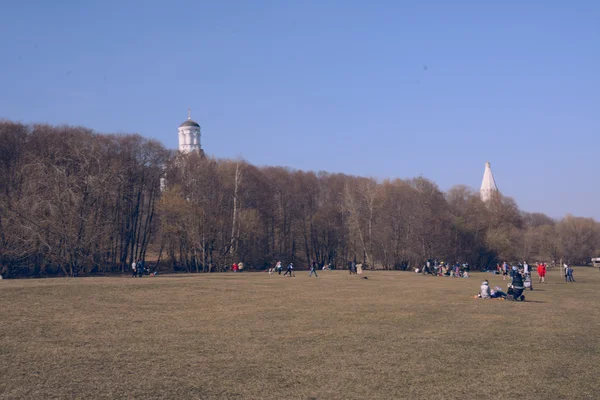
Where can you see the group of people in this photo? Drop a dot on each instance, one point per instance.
(519, 282)
(278, 268)
(507, 271)
(238, 267)
(137, 268)
(354, 268)
(444, 269)
(568, 271)
(289, 271)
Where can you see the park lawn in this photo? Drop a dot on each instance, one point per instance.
(395, 335)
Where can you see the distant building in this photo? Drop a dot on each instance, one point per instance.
(189, 142)
(488, 185)
(189, 136)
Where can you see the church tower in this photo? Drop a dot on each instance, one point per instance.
(488, 185)
(189, 136)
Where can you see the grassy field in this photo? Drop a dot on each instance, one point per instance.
(254, 336)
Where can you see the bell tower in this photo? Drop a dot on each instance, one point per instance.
(189, 136)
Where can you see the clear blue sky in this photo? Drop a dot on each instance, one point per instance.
(372, 88)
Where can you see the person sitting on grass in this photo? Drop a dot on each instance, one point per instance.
(488, 293)
(497, 293)
(485, 292)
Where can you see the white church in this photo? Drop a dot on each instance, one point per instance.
(189, 136)
(488, 186)
(189, 142)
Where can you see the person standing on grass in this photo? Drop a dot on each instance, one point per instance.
(313, 269)
(525, 268)
(241, 266)
(570, 274)
(541, 270)
(566, 269)
(234, 267)
(504, 270)
(133, 271)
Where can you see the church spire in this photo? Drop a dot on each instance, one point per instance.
(189, 113)
(488, 184)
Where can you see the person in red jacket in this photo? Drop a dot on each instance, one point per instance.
(541, 270)
(234, 267)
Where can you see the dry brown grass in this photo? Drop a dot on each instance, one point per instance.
(255, 336)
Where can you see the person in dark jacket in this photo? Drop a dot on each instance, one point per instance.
(313, 269)
(570, 275)
(140, 268)
(516, 288)
(290, 270)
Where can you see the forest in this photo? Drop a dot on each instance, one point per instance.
(75, 202)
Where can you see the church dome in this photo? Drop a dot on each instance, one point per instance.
(189, 122)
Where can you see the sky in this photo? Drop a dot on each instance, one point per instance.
(387, 89)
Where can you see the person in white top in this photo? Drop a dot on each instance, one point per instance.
(484, 291)
(133, 270)
(566, 269)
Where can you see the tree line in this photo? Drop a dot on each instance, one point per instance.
(76, 202)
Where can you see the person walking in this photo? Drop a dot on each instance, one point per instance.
(277, 268)
(541, 270)
(133, 271)
(313, 269)
(290, 270)
(570, 275)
